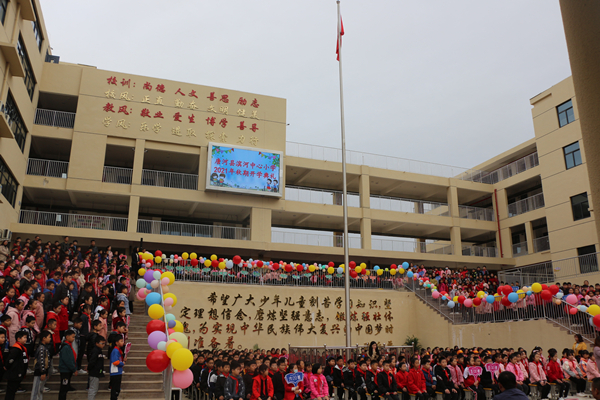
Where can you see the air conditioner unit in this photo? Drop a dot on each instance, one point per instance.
(6, 234)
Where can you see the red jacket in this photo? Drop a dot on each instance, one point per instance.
(402, 379)
(416, 381)
(261, 385)
(63, 319)
(554, 371)
(289, 394)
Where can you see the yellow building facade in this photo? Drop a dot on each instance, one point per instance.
(115, 157)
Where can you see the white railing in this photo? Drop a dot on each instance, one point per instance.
(314, 239)
(436, 248)
(481, 214)
(505, 172)
(117, 175)
(520, 249)
(526, 205)
(480, 251)
(169, 179)
(51, 168)
(541, 244)
(60, 119)
(67, 220)
(320, 196)
(379, 161)
(193, 230)
(409, 206)
(393, 244)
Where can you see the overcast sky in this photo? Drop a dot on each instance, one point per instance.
(434, 80)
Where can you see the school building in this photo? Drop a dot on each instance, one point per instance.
(117, 157)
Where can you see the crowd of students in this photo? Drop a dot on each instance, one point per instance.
(60, 304)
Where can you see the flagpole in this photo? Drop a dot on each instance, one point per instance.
(345, 192)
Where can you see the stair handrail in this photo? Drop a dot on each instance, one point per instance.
(168, 372)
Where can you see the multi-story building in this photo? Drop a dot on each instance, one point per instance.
(114, 157)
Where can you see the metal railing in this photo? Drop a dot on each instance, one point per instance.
(409, 206)
(320, 196)
(526, 205)
(51, 168)
(117, 175)
(478, 213)
(66, 220)
(541, 244)
(409, 245)
(479, 251)
(552, 271)
(314, 239)
(320, 354)
(520, 249)
(436, 248)
(193, 230)
(167, 179)
(505, 172)
(379, 161)
(59, 119)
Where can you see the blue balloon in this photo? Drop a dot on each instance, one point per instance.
(153, 298)
(340, 270)
(172, 324)
(405, 265)
(529, 293)
(172, 256)
(444, 298)
(513, 297)
(409, 274)
(148, 287)
(451, 304)
(375, 268)
(490, 299)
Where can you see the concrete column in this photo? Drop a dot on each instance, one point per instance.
(365, 233)
(134, 210)
(138, 161)
(502, 204)
(529, 237)
(582, 31)
(84, 163)
(452, 194)
(456, 240)
(419, 244)
(260, 225)
(365, 189)
(203, 157)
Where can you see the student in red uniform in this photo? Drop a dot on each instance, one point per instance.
(402, 381)
(554, 373)
(416, 380)
(262, 385)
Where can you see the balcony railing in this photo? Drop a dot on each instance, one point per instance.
(409, 206)
(117, 175)
(520, 249)
(541, 244)
(409, 245)
(320, 196)
(314, 239)
(481, 214)
(379, 161)
(66, 220)
(526, 205)
(479, 251)
(51, 168)
(60, 119)
(193, 230)
(514, 168)
(169, 179)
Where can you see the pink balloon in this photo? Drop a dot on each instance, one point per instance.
(468, 303)
(171, 331)
(571, 299)
(183, 379)
(435, 294)
(142, 293)
(169, 301)
(165, 281)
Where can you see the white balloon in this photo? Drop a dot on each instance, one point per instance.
(155, 283)
(162, 346)
(559, 295)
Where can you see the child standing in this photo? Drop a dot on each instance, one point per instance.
(41, 365)
(67, 364)
(116, 368)
(16, 365)
(96, 366)
(103, 315)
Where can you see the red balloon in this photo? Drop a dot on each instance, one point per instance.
(237, 259)
(353, 274)
(299, 268)
(546, 295)
(158, 253)
(477, 301)
(393, 266)
(544, 286)
(194, 262)
(214, 263)
(288, 268)
(415, 277)
(259, 264)
(363, 271)
(157, 361)
(572, 310)
(461, 299)
(506, 290)
(275, 266)
(150, 262)
(596, 320)
(352, 264)
(155, 325)
(553, 289)
(331, 264)
(505, 302)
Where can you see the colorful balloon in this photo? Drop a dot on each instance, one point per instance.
(158, 361)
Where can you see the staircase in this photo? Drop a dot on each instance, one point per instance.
(138, 382)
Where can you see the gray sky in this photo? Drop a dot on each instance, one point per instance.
(436, 80)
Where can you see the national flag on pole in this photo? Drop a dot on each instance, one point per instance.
(339, 38)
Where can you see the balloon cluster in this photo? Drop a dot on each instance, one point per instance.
(168, 341)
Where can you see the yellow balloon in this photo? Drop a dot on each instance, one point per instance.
(147, 256)
(342, 265)
(193, 256)
(207, 263)
(368, 272)
(142, 271)
(157, 260)
(481, 294)
(455, 299)
(222, 265)
(330, 270)
(170, 295)
(141, 254)
(182, 359)
(392, 272)
(213, 257)
(156, 311)
(172, 348)
(178, 327)
(594, 309)
(180, 338)
(536, 287)
(311, 268)
(169, 275)
(185, 256)
(379, 271)
(358, 269)
(363, 265)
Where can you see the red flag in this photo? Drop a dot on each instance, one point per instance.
(339, 38)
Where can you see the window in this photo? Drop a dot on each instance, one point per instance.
(8, 183)
(565, 113)
(580, 206)
(28, 78)
(572, 155)
(3, 7)
(38, 34)
(13, 116)
(588, 260)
